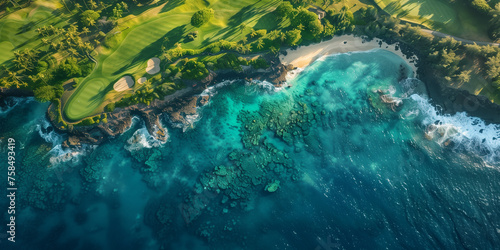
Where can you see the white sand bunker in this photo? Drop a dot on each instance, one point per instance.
(124, 83)
(142, 80)
(153, 66)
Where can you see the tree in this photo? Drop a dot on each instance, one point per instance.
(93, 4)
(464, 76)
(494, 30)
(293, 37)
(117, 11)
(78, 6)
(260, 44)
(201, 17)
(493, 66)
(252, 33)
(85, 30)
(69, 68)
(308, 22)
(315, 28)
(481, 6)
(45, 93)
(284, 10)
(89, 17)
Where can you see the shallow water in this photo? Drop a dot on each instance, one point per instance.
(353, 172)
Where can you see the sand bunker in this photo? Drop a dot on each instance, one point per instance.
(124, 83)
(142, 80)
(153, 66)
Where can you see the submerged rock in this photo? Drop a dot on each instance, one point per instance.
(272, 187)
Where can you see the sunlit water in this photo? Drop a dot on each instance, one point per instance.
(354, 172)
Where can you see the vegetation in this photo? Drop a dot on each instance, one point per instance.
(50, 50)
(201, 17)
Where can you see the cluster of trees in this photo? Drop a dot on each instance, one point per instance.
(192, 69)
(451, 58)
(201, 17)
(306, 24)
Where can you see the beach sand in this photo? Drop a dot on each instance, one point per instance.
(305, 55)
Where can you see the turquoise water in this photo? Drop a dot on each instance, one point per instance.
(352, 171)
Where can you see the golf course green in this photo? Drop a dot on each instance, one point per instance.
(141, 37)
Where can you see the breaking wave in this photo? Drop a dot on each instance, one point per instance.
(143, 139)
(59, 154)
(466, 132)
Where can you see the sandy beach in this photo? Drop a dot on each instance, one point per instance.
(305, 55)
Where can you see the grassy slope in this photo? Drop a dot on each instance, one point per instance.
(18, 30)
(455, 19)
(143, 38)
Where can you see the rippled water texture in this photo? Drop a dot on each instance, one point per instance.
(348, 155)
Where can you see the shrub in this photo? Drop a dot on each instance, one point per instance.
(259, 63)
(110, 107)
(215, 50)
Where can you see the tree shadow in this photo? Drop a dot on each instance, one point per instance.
(174, 36)
(246, 14)
(100, 96)
(172, 4)
(267, 21)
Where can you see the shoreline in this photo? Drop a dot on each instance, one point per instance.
(303, 56)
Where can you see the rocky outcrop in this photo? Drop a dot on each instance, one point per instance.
(178, 106)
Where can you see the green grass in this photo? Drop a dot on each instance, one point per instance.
(18, 30)
(145, 35)
(451, 18)
(89, 97)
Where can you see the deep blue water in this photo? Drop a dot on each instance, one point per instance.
(353, 172)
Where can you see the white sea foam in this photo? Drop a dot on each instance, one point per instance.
(212, 90)
(59, 154)
(468, 133)
(265, 85)
(292, 74)
(143, 139)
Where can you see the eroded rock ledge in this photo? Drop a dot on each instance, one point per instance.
(176, 106)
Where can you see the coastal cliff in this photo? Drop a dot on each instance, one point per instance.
(177, 106)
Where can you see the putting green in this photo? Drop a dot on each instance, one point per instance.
(83, 102)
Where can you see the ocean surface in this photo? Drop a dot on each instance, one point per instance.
(349, 154)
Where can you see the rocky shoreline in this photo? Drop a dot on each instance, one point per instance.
(177, 106)
(452, 100)
(185, 102)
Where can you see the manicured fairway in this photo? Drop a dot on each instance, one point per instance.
(6, 51)
(144, 35)
(434, 10)
(451, 18)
